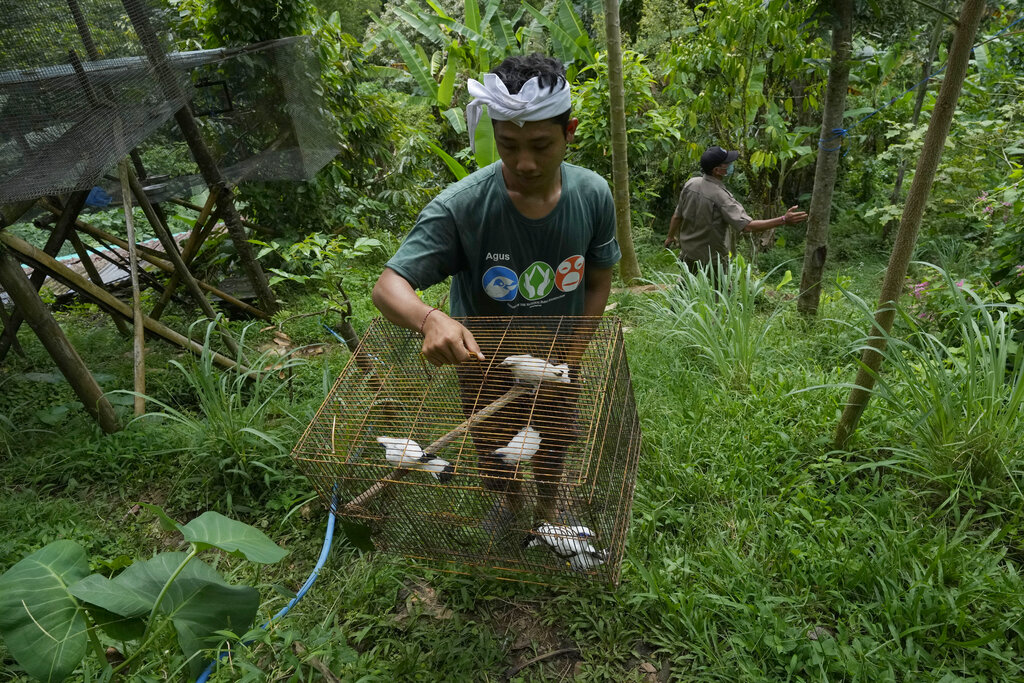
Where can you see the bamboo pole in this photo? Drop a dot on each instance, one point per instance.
(94, 275)
(5, 319)
(59, 271)
(9, 213)
(208, 167)
(400, 472)
(156, 258)
(191, 248)
(65, 223)
(139, 336)
(52, 337)
(196, 207)
(171, 248)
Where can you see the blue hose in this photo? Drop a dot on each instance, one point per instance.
(324, 552)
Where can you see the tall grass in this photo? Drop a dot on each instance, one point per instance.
(958, 400)
(228, 429)
(714, 312)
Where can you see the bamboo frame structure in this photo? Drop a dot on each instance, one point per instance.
(103, 298)
(39, 318)
(156, 258)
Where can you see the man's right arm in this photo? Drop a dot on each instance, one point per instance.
(673, 230)
(445, 341)
(791, 217)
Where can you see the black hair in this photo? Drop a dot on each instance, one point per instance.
(515, 71)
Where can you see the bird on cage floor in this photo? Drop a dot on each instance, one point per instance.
(407, 454)
(529, 369)
(569, 543)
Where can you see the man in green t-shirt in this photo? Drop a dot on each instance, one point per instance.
(529, 235)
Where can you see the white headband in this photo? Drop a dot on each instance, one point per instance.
(531, 103)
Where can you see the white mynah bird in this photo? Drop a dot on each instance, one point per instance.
(570, 543)
(587, 560)
(523, 446)
(564, 541)
(532, 370)
(407, 454)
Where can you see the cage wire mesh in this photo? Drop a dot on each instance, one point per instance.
(75, 97)
(478, 464)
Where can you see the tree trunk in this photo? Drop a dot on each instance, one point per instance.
(903, 247)
(629, 267)
(926, 68)
(816, 245)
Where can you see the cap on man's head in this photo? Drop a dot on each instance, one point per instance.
(714, 157)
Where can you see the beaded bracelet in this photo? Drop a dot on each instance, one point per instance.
(424, 322)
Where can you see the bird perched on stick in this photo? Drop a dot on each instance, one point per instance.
(522, 447)
(532, 370)
(407, 454)
(570, 543)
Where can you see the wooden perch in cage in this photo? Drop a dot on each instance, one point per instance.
(400, 472)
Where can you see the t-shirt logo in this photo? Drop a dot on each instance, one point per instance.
(501, 283)
(537, 280)
(569, 274)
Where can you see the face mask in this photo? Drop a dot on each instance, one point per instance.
(728, 171)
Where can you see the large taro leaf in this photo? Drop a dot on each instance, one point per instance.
(116, 605)
(199, 602)
(214, 530)
(44, 628)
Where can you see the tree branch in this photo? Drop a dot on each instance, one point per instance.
(935, 9)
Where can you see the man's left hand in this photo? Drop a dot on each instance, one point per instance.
(794, 215)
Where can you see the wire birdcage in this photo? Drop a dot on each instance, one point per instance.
(481, 464)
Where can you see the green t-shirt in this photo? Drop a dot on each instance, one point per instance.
(503, 263)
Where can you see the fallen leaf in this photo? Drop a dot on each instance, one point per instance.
(819, 633)
(421, 597)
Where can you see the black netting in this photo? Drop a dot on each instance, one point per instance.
(75, 97)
